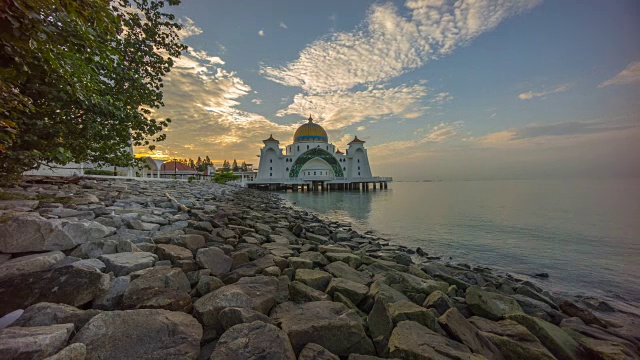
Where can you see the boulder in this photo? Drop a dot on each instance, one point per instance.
(230, 317)
(380, 325)
(527, 291)
(299, 292)
(604, 349)
(460, 329)
(27, 232)
(391, 295)
(215, 260)
(341, 270)
(300, 263)
(559, 343)
(157, 298)
(313, 351)
(328, 324)
(352, 290)
(256, 340)
(111, 298)
(575, 325)
(141, 334)
(95, 248)
(407, 310)
(173, 253)
(407, 283)
(438, 300)
(207, 284)
(160, 277)
(192, 242)
(410, 340)
(71, 352)
(574, 310)
(30, 263)
(125, 263)
(37, 342)
(350, 259)
(513, 340)
(256, 293)
(316, 279)
(46, 314)
(317, 258)
(72, 285)
(490, 305)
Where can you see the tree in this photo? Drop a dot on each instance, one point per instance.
(191, 163)
(226, 166)
(79, 80)
(235, 165)
(244, 166)
(224, 176)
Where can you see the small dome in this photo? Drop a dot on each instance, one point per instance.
(310, 132)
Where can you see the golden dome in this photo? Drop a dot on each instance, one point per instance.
(310, 132)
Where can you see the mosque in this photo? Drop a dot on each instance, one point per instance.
(311, 163)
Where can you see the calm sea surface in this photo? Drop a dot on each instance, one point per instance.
(584, 233)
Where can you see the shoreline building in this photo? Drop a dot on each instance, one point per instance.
(312, 163)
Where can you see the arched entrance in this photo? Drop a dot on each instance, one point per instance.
(315, 153)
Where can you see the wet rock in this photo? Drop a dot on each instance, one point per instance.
(575, 326)
(533, 307)
(352, 290)
(38, 342)
(552, 337)
(328, 324)
(316, 279)
(46, 314)
(256, 293)
(513, 340)
(141, 334)
(28, 232)
(313, 351)
(527, 291)
(71, 352)
(299, 292)
(30, 263)
(410, 340)
(603, 349)
(232, 316)
(214, 259)
(125, 263)
(256, 340)
(463, 331)
(439, 301)
(69, 284)
(490, 305)
(341, 270)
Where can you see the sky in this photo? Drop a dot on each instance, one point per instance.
(438, 89)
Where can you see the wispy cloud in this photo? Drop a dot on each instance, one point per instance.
(283, 25)
(534, 94)
(257, 101)
(333, 71)
(631, 74)
(436, 134)
(261, 32)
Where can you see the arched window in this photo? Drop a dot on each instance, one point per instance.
(270, 174)
(358, 167)
(314, 173)
(270, 160)
(344, 169)
(298, 147)
(358, 173)
(307, 147)
(287, 169)
(270, 168)
(358, 160)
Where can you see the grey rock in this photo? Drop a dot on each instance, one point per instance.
(316, 279)
(350, 259)
(69, 284)
(125, 263)
(232, 316)
(410, 340)
(300, 263)
(157, 298)
(207, 284)
(391, 295)
(215, 260)
(71, 352)
(173, 253)
(559, 343)
(380, 325)
(352, 290)
(95, 248)
(409, 311)
(47, 314)
(463, 331)
(137, 334)
(490, 305)
(439, 301)
(160, 277)
(317, 258)
(328, 324)
(111, 298)
(259, 341)
(313, 351)
(38, 342)
(192, 242)
(341, 270)
(30, 263)
(299, 292)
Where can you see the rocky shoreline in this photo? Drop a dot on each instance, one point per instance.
(115, 269)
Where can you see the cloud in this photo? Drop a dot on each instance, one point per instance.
(530, 95)
(257, 101)
(361, 128)
(201, 97)
(261, 32)
(283, 25)
(631, 74)
(388, 44)
(340, 109)
(436, 134)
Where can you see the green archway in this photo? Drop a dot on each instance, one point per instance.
(312, 154)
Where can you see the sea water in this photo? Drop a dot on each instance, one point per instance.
(584, 233)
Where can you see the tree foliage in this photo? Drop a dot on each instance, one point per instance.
(79, 80)
(224, 176)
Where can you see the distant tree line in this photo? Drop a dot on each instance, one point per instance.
(226, 166)
(201, 165)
